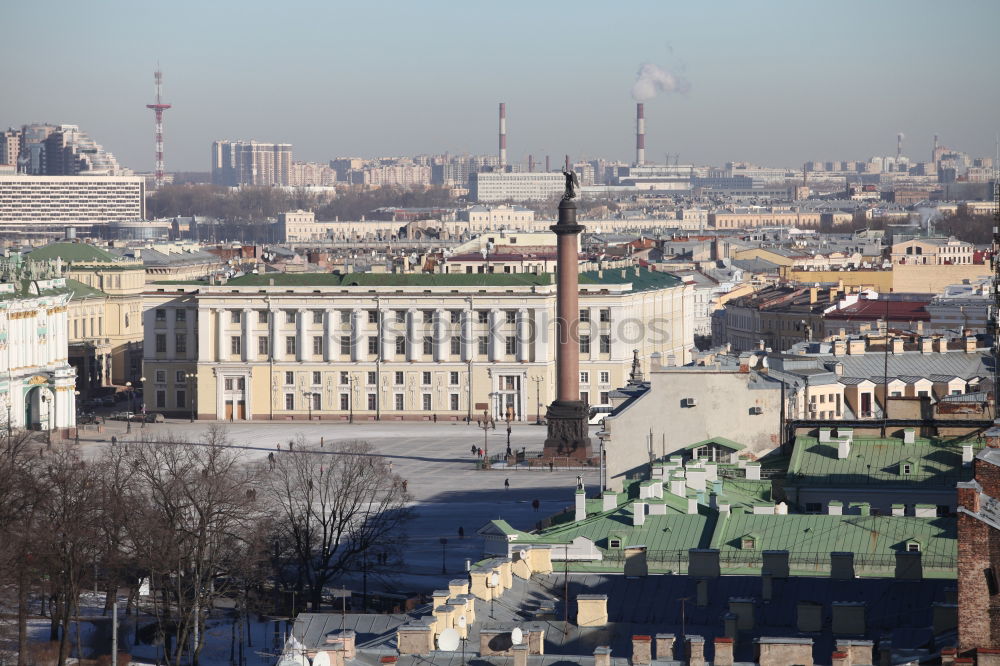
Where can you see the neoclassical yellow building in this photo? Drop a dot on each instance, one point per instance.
(398, 346)
(105, 312)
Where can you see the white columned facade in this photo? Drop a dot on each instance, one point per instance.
(355, 334)
(300, 334)
(247, 337)
(523, 342)
(220, 335)
(494, 335)
(272, 332)
(171, 333)
(441, 337)
(413, 344)
(191, 341)
(468, 339)
(329, 329)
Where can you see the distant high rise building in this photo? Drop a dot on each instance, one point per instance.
(10, 146)
(63, 150)
(236, 163)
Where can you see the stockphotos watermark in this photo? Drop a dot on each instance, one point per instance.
(403, 333)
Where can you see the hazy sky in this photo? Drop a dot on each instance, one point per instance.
(777, 83)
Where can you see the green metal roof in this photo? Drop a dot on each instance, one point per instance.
(72, 252)
(644, 281)
(394, 280)
(876, 461)
(861, 535)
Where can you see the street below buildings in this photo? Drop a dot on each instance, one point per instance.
(435, 459)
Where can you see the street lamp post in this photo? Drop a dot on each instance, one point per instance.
(190, 377)
(131, 407)
(48, 419)
(350, 398)
(538, 398)
(76, 429)
(142, 403)
(486, 424)
(309, 402)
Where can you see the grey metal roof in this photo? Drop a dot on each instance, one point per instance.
(953, 364)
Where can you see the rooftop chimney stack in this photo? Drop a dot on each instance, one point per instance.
(503, 135)
(640, 134)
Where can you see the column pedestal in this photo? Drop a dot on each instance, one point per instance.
(567, 436)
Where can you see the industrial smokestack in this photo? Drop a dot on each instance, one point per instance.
(899, 148)
(547, 169)
(503, 135)
(640, 134)
(934, 150)
(531, 164)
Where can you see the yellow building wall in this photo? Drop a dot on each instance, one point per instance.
(765, 254)
(934, 278)
(880, 281)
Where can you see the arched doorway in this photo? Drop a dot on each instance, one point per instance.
(38, 408)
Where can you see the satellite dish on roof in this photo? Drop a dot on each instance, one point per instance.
(462, 621)
(523, 554)
(322, 658)
(448, 640)
(516, 636)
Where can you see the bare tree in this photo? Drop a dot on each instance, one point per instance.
(195, 525)
(69, 541)
(20, 492)
(335, 508)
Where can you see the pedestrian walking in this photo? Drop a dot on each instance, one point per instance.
(534, 504)
(508, 451)
(435, 418)
(289, 445)
(480, 452)
(473, 449)
(278, 445)
(550, 465)
(404, 485)
(270, 459)
(114, 440)
(506, 484)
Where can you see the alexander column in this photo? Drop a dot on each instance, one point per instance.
(567, 415)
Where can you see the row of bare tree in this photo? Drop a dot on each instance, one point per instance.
(196, 522)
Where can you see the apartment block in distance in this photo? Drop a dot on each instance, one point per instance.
(504, 186)
(32, 202)
(236, 163)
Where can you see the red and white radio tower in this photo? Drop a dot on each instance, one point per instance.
(158, 110)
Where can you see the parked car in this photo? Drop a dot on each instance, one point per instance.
(122, 416)
(154, 417)
(86, 418)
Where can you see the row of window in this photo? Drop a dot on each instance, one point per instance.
(455, 316)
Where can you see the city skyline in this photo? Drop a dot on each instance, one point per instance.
(768, 83)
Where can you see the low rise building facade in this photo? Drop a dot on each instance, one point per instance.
(36, 380)
(398, 346)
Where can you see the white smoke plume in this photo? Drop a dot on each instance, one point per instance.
(653, 80)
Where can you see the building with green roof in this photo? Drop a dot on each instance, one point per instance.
(906, 474)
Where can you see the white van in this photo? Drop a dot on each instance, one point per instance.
(597, 414)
